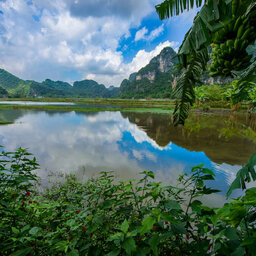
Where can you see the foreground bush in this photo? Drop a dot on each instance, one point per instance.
(103, 217)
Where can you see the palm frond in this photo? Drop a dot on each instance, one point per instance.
(184, 91)
(170, 8)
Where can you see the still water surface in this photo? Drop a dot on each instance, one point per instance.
(127, 143)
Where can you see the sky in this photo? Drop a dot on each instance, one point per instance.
(70, 40)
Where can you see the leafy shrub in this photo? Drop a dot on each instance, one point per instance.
(104, 217)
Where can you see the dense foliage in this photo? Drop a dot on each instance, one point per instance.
(214, 23)
(104, 217)
(161, 87)
(3, 92)
(230, 95)
(230, 43)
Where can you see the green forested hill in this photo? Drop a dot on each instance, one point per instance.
(17, 87)
(154, 80)
(9, 81)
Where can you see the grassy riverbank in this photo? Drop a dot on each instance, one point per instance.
(161, 106)
(5, 122)
(89, 109)
(107, 102)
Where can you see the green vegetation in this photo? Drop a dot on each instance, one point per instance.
(161, 87)
(104, 102)
(212, 24)
(154, 80)
(89, 109)
(230, 43)
(229, 96)
(5, 122)
(104, 217)
(19, 88)
(3, 92)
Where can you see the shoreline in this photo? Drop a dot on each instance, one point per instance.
(141, 106)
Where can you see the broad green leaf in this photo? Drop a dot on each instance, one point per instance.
(125, 226)
(61, 245)
(231, 233)
(147, 224)
(246, 174)
(250, 196)
(27, 227)
(114, 253)
(172, 205)
(129, 245)
(71, 223)
(34, 230)
(179, 229)
(73, 253)
(240, 251)
(153, 243)
(237, 213)
(22, 252)
(248, 241)
(15, 230)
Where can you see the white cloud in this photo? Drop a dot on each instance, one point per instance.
(121, 70)
(141, 34)
(143, 57)
(64, 38)
(156, 32)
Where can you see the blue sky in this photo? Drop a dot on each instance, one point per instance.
(75, 39)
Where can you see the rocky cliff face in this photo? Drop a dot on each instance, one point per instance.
(154, 80)
(163, 63)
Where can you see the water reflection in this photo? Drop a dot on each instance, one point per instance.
(86, 143)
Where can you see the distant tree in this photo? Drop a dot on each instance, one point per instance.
(3, 92)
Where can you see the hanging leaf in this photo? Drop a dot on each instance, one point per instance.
(246, 174)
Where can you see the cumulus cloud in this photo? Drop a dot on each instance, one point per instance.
(121, 70)
(143, 57)
(47, 39)
(102, 8)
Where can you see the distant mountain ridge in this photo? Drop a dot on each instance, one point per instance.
(154, 80)
(17, 87)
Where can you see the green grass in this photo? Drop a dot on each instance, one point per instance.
(149, 110)
(89, 109)
(108, 102)
(5, 122)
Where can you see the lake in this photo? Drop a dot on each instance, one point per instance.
(128, 143)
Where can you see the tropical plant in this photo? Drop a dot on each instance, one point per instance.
(214, 16)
